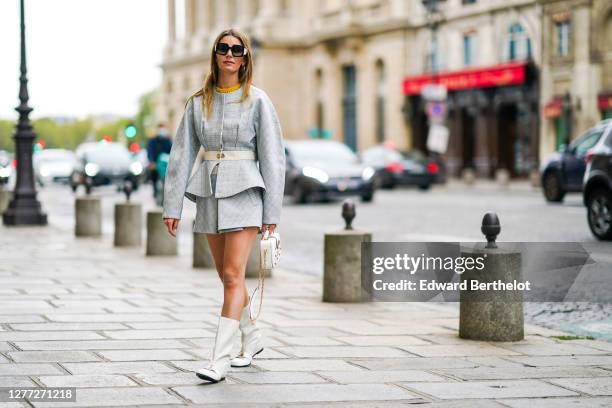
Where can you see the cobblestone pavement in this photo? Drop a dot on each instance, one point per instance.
(128, 330)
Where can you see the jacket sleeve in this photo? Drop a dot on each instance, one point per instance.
(271, 156)
(182, 157)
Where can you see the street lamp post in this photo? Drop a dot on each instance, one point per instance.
(24, 208)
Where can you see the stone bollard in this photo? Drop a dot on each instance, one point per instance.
(492, 315)
(159, 241)
(502, 176)
(342, 261)
(128, 224)
(5, 198)
(88, 214)
(202, 257)
(468, 175)
(252, 268)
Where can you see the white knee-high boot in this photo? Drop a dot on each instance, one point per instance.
(217, 368)
(251, 340)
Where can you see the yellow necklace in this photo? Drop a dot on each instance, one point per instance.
(230, 89)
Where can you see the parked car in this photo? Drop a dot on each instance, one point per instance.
(325, 169)
(395, 168)
(7, 169)
(563, 172)
(597, 195)
(103, 163)
(53, 165)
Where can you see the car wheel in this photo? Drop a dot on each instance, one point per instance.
(300, 195)
(599, 214)
(424, 187)
(553, 191)
(367, 197)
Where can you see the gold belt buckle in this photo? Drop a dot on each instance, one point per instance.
(220, 155)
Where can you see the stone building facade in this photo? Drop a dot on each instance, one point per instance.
(347, 69)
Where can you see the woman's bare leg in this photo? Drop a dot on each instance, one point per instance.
(238, 246)
(216, 242)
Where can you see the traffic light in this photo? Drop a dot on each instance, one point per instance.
(130, 130)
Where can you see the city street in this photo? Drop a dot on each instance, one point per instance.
(446, 213)
(129, 330)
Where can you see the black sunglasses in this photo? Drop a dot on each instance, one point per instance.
(237, 49)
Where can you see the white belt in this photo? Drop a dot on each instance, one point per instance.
(216, 155)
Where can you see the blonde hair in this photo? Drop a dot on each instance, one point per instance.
(245, 75)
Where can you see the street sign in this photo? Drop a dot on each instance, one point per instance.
(436, 109)
(437, 139)
(433, 92)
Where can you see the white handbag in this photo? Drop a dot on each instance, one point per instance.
(269, 255)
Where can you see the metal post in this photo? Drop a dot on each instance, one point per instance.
(24, 208)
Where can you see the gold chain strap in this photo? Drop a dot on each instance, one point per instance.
(260, 287)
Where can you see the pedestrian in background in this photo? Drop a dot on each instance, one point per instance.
(160, 143)
(235, 198)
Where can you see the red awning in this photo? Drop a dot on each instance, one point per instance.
(604, 101)
(553, 108)
(499, 75)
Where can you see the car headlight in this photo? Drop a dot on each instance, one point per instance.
(5, 171)
(315, 173)
(91, 169)
(136, 168)
(44, 171)
(367, 173)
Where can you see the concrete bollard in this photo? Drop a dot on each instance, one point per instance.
(252, 268)
(159, 241)
(468, 175)
(502, 176)
(202, 256)
(88, 214)
(128, 224)
(342, 261)
(492, 315)
(5, 198)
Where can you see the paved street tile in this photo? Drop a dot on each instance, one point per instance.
(12, 369)
(5, 346)
(159, 334)
(22, 318)
(165, 325)
(117, 367)
(51, 335)
(52, 356)
(16, 381)
(3, 359)
(558, 349)
(268, 393)
(382, 340)
(278, 377)
(107, 317)
(172, 379)
(305, 365)
(343, 351)
(310, 341)
(517, 373)
(66, 326)
(591, 386)
(490, 389)
(563, 360)
(560, 403)
(414, 363)
(100, 345)
(87, 381)
(457, 350)
(374, 377)
(93, 397)
(194, 365)
(145, 355)
(404, 404)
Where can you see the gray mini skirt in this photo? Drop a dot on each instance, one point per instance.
(234, 213)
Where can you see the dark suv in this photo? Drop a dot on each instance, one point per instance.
(563, 172)
(598, 183)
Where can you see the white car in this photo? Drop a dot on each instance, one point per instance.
(53, 165)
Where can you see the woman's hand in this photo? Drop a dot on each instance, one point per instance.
(172, 225)
(269, 227)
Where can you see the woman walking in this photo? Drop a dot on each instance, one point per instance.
(236, 199)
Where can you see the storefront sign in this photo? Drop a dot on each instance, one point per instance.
(500, 75)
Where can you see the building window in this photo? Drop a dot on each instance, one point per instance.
(468, 49)
(563, 38)
(434, 62)
(380, 101)
(518, 45)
